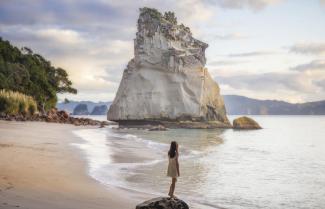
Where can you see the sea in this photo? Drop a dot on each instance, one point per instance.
(279, 166)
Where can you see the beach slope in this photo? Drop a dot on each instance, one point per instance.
(40, 169)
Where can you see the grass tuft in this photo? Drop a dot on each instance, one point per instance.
(13, 103)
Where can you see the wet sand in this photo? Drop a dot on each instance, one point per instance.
(40, 169)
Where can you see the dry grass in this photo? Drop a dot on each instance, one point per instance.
(14, 102)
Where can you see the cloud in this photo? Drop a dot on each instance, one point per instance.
(300, 83)
(321, 84)
(251, 54)
(63, 36)
(322, 2)
(308, 48)
(230, 36)
(241, 4)
(313, 65)
(227, 62)
(91, 39)
(265, 81)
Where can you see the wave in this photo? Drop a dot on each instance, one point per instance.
(99, 150)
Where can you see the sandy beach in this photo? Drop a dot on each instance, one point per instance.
(40, 169)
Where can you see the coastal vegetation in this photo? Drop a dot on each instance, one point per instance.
(155, 14)
(22, 70)
(13, 103)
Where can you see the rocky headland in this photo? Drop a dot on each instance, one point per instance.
(166, 83)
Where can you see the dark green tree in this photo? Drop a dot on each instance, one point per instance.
(30, 73)
(170, 16)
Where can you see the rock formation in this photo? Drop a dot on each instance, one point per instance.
(55, 116)
(245, 123)
(99, 110)
(163, 203)
(166, 81)
(81, 109)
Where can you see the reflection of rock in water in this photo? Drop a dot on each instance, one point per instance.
(166, 81)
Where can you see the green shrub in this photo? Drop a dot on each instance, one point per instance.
(13, 103)
(24, 71)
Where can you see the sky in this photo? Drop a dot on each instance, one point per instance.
(264, 49)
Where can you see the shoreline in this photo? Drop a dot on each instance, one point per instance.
(111, 156)
(40, 169)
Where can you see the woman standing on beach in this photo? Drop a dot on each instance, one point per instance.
(173, 167)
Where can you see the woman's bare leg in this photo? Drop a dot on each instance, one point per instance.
(172, 187)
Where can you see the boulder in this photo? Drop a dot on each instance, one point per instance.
(163, 203)
(245, 123)
(167, 79)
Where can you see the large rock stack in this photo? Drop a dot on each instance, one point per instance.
(166, 81)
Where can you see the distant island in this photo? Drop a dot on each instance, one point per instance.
(240, 105)
(84, 107)
(235, 105)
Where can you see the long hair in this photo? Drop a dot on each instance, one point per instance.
(172, 149)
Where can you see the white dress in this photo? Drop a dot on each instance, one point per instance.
(172, 168)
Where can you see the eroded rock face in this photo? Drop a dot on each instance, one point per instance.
(80, 109)
(245, 123)
(99, 110)
(166, 80)
(163, 203)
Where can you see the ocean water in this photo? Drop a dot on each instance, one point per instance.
(279, 166)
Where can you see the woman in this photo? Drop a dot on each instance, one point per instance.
(173, 167)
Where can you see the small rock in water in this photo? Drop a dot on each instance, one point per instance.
(158, 128)
(163, 203)
(245, 123)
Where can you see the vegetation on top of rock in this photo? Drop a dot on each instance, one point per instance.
(13, 103)
(245, 123)
(170, 16)
(31, 74)
(154, 13)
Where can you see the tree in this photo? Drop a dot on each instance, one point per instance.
(31, 74)
(170, 16)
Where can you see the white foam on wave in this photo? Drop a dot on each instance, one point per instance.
(95, 146)
(99, 155)
(159, 147)
(99, 151)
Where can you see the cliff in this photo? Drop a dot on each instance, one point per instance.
(99, 110)
(166, 81)
(81, 109)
